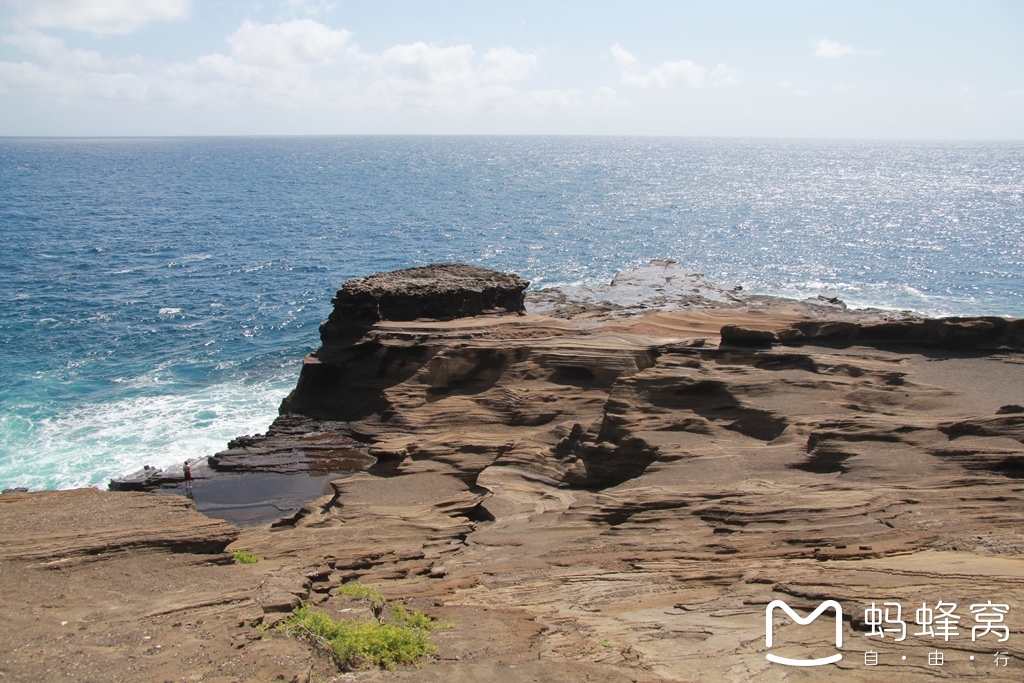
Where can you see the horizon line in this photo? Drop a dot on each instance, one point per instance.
(509, 135)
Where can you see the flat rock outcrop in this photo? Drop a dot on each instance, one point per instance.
(655, 479)
(60, 526)
(343, 380)
(442, 291)
(950, 334)
(599, 492)
(955, 333)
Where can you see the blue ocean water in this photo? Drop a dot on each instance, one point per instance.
(157, 295)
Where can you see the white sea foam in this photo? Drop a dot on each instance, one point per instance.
(90, 444)
(858, 295)
(782, 218)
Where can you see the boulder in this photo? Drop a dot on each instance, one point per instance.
(439, 291)
(345, 378)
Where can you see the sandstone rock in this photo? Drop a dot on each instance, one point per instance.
(607, 499)
(73, 525)
(828, 332)
(279, 602)
(940, 333)
(344, 378)
(624, 468)
(442, 292)
(742, 336)
(147, 479)
(294, 444)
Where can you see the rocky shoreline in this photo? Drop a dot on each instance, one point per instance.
(591, 484)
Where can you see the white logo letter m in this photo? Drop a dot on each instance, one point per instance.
(803, 622)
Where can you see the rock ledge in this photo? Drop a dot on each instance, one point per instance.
(439, 291)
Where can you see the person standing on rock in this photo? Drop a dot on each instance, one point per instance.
(188, 479)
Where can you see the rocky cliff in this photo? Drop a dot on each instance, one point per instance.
(597, 489)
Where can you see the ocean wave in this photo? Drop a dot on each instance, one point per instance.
(882, 296)
(89, 444)
(249, 279)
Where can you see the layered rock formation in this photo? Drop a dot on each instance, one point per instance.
(444, 292)
(594, 490)
(342, 378)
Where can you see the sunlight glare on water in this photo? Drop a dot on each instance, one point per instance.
(157, 295)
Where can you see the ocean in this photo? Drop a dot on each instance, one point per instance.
(157, 295)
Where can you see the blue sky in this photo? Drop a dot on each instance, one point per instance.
(891, 70)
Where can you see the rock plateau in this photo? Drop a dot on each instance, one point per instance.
(608, 486)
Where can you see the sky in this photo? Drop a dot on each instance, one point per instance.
(897, 69)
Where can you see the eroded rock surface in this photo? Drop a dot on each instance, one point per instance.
(443, 291)
(619, 497)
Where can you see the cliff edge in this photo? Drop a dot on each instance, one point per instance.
(598, 489)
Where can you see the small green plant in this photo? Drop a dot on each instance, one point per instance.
(244, 557)
(369, 594)
(608, 643)
(396, 636)
(414, 619)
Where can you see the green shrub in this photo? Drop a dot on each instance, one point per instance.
(244, 557)
(415, 619)
(361, 643)
(357, 591)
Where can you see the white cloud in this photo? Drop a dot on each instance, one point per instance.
(447, 66)
(558, 99)
(506, 64)
(300, 64)
(831, 49)
(724, 75)
(52, 50)
(423, 62)
(307, 63)
(99, 17)
(292, 44)
(669, 74)
(69, 74)
(623, 57)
